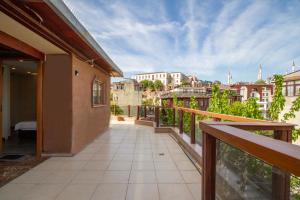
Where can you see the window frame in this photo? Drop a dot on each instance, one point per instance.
(101, 95)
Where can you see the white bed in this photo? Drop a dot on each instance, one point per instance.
(26, 126)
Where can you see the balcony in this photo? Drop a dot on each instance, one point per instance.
(149, 157)
(128, 161)
(240, 158)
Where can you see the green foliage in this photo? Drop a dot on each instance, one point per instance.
(219, 102)
(147, 102)
(166, 115)
(185, 83)
(277, 104)
(294, 108)
(251, 109)
(158, 85)
(260, 81)
(147, 85)
(236, 108)
(116, 109)
(175, 100)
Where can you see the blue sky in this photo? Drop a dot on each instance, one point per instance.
(204, 38)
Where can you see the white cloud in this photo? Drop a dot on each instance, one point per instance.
(203, 38)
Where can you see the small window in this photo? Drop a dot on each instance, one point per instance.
(97, 93)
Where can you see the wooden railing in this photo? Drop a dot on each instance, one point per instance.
(234, 130)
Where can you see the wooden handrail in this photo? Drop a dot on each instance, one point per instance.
(220, 116)
(255, 125)
(281, 154)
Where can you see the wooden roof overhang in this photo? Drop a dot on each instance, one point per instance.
(55, 22)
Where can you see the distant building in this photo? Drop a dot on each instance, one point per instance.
(167, 78)
(202, 94)
(263, 92)
(126, 92)
(290, 90)
(178, 78)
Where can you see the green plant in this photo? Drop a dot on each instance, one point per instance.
(116, 109)
(166, 115)
(158, 85)
(260, 81)
(251, 109)
(219, 102)
(236, 108)
(278, 102)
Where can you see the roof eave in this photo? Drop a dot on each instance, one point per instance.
(65, 14)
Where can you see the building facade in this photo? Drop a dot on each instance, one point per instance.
(126, 92)
(263, 92)
(291, 91)
(202, 95)
(70, 96)
(167, 78)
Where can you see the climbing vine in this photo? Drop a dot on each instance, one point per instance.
(278, 102)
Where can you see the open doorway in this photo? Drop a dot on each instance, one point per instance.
(19, 106)
(19, 103)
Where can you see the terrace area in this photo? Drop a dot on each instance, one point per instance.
(151, 156)
(127, 162)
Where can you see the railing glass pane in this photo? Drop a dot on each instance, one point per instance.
(166, 116)
(295, 187)
(240, 175)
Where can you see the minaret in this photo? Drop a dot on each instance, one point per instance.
(259, 75)
(293, 66)
(229, 78)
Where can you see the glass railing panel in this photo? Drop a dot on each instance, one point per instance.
(240, 175)
(166, 116)
(295, 187)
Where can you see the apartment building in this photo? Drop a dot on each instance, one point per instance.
(126, 92)
(167, 78)
(263, 92)
(178, 78)
(290, 90)
(164, 77)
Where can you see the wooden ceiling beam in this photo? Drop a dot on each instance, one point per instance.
(18, 45)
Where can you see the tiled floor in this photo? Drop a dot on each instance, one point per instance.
(127, 162)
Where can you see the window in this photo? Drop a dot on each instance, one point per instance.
(290, 91)
(97, 93)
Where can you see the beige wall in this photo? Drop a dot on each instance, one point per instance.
(296, 120)
(88, 122)
(23, 98)
(57, 104)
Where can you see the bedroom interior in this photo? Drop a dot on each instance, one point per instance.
(18, 104)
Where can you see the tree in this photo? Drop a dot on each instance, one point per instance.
(236, 108)
(144, 84)
(291, 114)
(278, 102)
(260, 81)
(251, 109)
(158, 85)
(219, 102)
